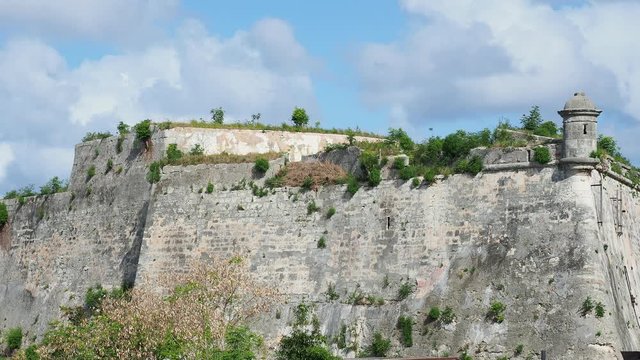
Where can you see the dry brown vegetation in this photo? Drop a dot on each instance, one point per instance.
(195, 314)
(321, 173)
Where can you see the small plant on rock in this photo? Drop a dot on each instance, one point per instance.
(599, 309)
(13, 338)
(587, 306)
(448, 315)
(331, 212)
(379, 346)
(519, 349)
(312, 207)
(209, 187)
(261, 165)
(352, 185)
(322, 243)
(4, 215)
(496, 312)
(196, 150)
(91, 172)
(434, 314)
(405, 290)
(405, 325)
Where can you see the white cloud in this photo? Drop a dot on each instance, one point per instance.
(6, 157)
(471, 58)
(119, 20)
(47, 106)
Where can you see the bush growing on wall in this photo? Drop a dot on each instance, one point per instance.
(405, 325)
(143, 131)
(95, 136)
(173, 153)
(153, 176)
(261, 165)
(4, 215)
(379, 346)
(541, 155)
(13, 338)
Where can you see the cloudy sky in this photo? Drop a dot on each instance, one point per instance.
(72, 66)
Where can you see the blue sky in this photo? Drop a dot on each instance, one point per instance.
(83, 65)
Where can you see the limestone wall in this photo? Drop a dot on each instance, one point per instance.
(530, 238)
(238, 141)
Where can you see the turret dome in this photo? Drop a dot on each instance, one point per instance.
(580, 101)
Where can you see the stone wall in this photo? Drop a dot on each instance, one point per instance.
(238, 141)
(529, 238)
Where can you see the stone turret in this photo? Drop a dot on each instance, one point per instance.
(580, 135)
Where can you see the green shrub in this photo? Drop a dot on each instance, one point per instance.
(405, 290)
(31, 353)
(465, 356)
(541, 154)
(616, 168)
(153, 176)
(405, 325)
(173, 153)
(599, 309)
(217, 116)
(331, 212)
(434, 313)
(408, 172)
(209, 187)
(519, 349)
(587, 306)
(474, 166)
(143, 130)
(123, 129)
(415, 182)
(430, 175)
(322, 243)
(368, 161)
(165, 125)
(4, 214)
(379, 346)
(261, 165)
(496, 312)
(400, 138)
(91, 172)
(94, 296)
(13, 338)
(448, 315)
(312, 207)
(352, 185)
(53, 186)
(374, 177)
(299, 117)
(307, 183)
(399, 163)
(547, 128)
(331, 293)
(95, 136)
(196, 150)
(109, 166)
(119, 145)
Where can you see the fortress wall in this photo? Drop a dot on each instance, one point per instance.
(526, 238)
(619, 211)
(239, 141)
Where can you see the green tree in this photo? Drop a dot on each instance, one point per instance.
(533, 120)
(123, 129)
(608, 144)
(299, 117)
(217, 115)
(55, 185)
(143, 131)
(547, 128)
(400, 138)
(4, 214)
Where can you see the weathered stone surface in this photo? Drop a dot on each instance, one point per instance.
(532, 239)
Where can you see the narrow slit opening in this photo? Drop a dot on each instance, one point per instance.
(388, 222)
(584, 129)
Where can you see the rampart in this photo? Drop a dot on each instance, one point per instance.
(530, 236)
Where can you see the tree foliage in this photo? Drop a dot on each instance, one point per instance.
(4, 215)
(533, 120)
(299, 117)
(217, 116)
(143, 130)
(201, 317)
